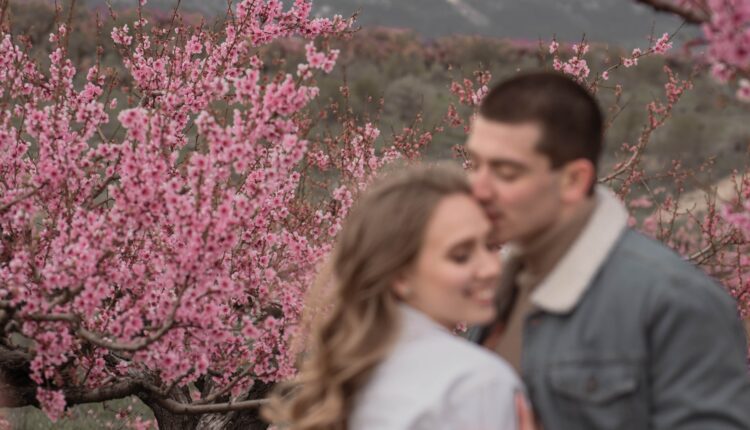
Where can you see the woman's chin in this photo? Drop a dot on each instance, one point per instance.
(482, 316)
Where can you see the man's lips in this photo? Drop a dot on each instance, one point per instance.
(494, 216)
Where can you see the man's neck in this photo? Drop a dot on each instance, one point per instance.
(542, 253)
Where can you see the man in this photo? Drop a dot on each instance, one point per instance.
(609, 329)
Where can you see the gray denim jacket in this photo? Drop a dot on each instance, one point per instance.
(628, 335)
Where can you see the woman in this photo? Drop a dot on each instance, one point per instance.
(414, 260)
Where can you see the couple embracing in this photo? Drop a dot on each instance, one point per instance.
(584, 324)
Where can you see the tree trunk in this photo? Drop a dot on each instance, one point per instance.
(18, 390)
(236, 420)
(167, 420)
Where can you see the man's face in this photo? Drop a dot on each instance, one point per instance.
(512, 180)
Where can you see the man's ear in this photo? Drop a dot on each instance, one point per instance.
(577, 179)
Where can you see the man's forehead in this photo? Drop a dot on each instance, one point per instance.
(489, 138)
(529, 130)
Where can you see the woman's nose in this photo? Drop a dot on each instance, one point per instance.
(490, 266)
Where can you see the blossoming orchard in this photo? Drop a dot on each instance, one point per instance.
(160, 245)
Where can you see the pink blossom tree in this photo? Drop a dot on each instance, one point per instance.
(725, 41)
(168, 260)
(725, 26)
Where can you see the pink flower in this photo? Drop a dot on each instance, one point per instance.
(320, 60)
(721, 72)
(121, 37)
(553, 47)
(663, 44)
(52, 403)
(194, 46)
(131, 118)
(743, 90)
(201, 365)
(581, 49)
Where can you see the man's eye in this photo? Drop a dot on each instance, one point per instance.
(507, 173)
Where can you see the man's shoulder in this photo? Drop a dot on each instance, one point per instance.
(640, 264)
(647, 257)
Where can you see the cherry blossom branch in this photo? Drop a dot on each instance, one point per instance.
(114, 346)
(631, 162)
(4, 208)
(130, 347)
(713, 248)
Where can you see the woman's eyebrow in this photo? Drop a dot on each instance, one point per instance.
(465, 243)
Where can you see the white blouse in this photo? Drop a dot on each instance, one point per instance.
(434, 380)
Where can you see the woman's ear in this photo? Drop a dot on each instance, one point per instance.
(402, 287)
(578, 178)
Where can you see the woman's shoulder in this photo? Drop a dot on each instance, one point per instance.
(456, 356)
(428, 372)
(429, 378)
(426, 347)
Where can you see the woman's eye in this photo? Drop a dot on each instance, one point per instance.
(461, 257)
(493, 246)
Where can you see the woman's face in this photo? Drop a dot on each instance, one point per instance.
(455, 276)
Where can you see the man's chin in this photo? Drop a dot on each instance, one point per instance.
(506, 234)
(503, 233)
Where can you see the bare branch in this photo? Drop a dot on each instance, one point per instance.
(13, 358)
(213, 397)
(689, 15)
(711, 249)
(189, 409)
(26, 395)
(117, 390)
(70, 318)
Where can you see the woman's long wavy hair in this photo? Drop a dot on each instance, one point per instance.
(380, 239)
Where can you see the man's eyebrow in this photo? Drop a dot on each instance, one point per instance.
(504, 162)
(499, 162)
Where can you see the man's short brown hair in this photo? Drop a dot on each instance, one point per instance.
(570, 117)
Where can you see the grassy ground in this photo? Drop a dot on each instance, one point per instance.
(84, 417)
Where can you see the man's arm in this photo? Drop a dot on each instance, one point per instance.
(698, 358)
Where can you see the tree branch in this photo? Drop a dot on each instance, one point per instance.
(689, 15)
(189, 409)
(13, 359)
(213, 397)
(4, 208)
(20, 396)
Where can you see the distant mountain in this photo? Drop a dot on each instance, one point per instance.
(621, 22)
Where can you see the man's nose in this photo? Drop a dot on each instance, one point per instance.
(480, 185)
